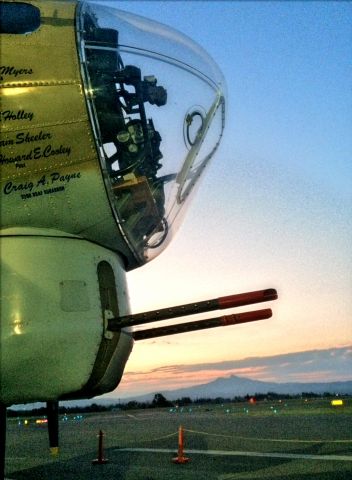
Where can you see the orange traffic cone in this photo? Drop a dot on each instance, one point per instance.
(100, 460)
(180, 453)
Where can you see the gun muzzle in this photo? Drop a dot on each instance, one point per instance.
(231, 301)
(223, 321)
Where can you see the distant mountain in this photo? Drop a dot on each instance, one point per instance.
(229, 387)
(235, 386)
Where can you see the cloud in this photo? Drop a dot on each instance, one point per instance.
(334, 364)
(336, 358)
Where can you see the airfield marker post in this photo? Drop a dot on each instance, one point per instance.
(180, 453)
(100, 460)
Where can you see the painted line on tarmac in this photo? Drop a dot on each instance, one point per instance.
(278, 440)
(228, 453)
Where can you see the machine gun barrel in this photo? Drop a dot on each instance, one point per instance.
(223, 321)
(230, 301)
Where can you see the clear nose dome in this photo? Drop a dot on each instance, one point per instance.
(157, 104)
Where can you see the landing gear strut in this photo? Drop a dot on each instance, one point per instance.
(2, 439)
(52, 410)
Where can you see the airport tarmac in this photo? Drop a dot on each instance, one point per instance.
(223, 443)
(157, 465)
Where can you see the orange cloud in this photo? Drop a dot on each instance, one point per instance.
(309, 366)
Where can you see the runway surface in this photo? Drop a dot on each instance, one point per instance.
(339, 458)
(222, 444)
(208, 465)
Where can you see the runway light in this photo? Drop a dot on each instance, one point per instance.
(41, 421)
(337, 403)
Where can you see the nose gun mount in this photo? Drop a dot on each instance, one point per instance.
(231, 301)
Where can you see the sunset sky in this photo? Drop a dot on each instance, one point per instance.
(275, 206)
